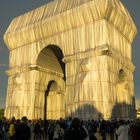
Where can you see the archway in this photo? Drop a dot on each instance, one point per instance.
(49, 107)
(122, 92)
(50, 60)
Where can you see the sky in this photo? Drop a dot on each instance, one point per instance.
(12, 8)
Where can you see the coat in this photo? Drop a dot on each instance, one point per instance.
(122, 132)
(75, 134)
(22, 132)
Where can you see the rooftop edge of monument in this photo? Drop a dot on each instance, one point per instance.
(70, 10)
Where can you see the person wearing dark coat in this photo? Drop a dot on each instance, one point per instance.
(103, 129)
(76, 131)
(22, 130)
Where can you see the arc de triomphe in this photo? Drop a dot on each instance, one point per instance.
(71, 58)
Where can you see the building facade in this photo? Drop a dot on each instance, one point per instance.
(71, 58)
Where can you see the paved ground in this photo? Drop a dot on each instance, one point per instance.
(98, 135)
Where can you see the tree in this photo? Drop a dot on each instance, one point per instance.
(1, 113)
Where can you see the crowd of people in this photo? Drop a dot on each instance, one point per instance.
(70, 129)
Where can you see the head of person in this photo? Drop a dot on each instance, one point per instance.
(121, 122)
(75, 123)
(24, 119)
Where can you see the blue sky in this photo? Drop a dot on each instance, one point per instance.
(12, 8)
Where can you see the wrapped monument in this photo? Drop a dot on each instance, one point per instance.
(71, 58)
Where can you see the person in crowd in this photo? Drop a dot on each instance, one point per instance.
(134, 130)
(76, 131)
(12, 129)
(46, 124)
(50, 130)
(5, 128)
(1, 132)
(69, 122)
(87, 129)
(17, 124)
(22, 132)
(103, 129)
(42, 128)
(111, 126)
(57, 130)
(31, 125)
(37, 130)
(138, 127)
(123, 131)
(63, 127)
(93, 129)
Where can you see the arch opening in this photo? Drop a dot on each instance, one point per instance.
(50, 95)
(122, 95)
(50, 59)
